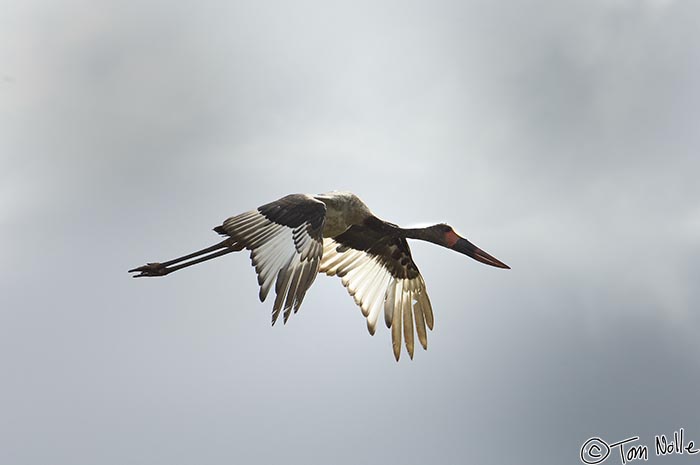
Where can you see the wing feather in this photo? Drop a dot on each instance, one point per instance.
(407, 310)
(381, 276)
(285, 239)
(396, 318)
(377, 302)
(420, 323)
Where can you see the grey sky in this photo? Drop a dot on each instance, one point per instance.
(562, 137)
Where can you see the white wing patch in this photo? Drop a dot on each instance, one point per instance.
(369, 282)
(287, 257)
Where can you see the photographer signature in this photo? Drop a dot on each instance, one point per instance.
(596, 450)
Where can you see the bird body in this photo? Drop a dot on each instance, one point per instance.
(294, 238)
(343, 210)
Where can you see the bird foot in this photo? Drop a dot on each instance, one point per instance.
(150, 269)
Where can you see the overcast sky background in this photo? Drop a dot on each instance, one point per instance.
(561, 137)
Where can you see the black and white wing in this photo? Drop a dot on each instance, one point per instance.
(285, 238)
(379, 273)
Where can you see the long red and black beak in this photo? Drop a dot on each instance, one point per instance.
(467, 248)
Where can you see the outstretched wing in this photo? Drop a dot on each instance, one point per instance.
(379, 273)
(286, 243)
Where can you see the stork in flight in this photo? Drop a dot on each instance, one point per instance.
(294, 238)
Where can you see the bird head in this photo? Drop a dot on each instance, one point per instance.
(444, 235)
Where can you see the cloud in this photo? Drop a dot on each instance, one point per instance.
(559, 137)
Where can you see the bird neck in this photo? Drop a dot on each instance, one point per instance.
(423, 234)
